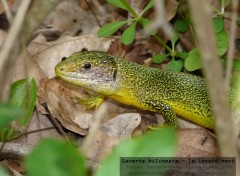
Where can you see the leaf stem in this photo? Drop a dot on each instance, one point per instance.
(130, 9)
(159, 40)
(139, 19)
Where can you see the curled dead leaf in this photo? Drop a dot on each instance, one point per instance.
(171, 8)
(49, 54)
(58, 96)
(110, 134)
(122, 125)
(196, 143)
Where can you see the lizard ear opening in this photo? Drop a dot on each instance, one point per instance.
(115, 74)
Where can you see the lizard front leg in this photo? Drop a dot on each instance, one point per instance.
(92, 102)
(165, 110)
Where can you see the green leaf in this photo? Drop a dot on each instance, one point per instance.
(236, 64)
(159, 58)
(145, 21)
(9, 113)
(110, 28)
(124, 5)
(55, 158)
(159, 143)
(23, 94)
(193, 61)
(7, 133)
(182, 25)
(218, 24)
(148, 6)
(128, 35)
(174, 38)
(182, 54)
(3, 172)
(117, 3)
(222, 42)
(175, 65)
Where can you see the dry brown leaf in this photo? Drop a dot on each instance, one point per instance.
(48, 54)
(122, 125)
(25, 66)
(110, 134)
(43, 56)
(102, 145)
(171, 8)
(58, 96)
(37, 122)
(70, 19)
(14, 166)
(196, 143)
(187, 40)
(182, 123)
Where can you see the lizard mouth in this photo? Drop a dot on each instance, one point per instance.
(73, 77)
(77, 76)
(70, 76)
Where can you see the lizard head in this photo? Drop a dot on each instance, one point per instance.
(93, 70)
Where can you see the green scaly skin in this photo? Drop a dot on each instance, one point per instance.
(165, 92)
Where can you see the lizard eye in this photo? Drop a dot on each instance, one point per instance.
(87, 66)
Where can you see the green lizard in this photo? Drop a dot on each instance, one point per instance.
(165, 92)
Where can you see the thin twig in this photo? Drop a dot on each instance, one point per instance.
(160, 20)
(98, 117)
(213, 73)
(31, 132)
(55, 122)
(7, 148)
(11, 38)
(231, 49)
(7, 11)
(94, 14)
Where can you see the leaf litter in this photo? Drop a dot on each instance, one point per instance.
(68, 29)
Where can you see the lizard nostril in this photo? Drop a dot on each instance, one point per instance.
(61, 69)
